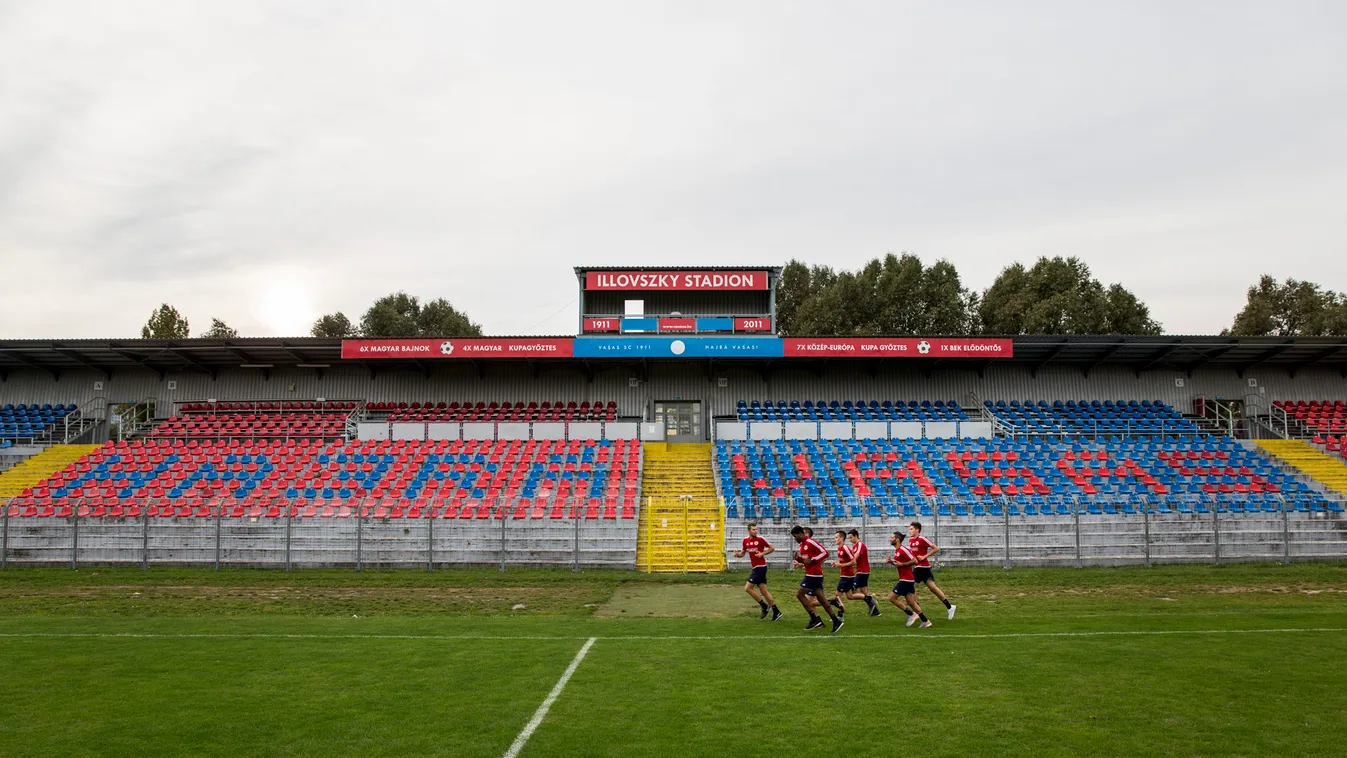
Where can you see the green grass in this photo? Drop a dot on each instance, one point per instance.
(193, 662)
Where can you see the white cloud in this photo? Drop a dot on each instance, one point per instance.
(189, 152)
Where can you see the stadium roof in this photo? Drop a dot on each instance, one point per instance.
(1137, 353)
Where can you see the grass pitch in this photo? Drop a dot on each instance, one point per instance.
(1231, 660)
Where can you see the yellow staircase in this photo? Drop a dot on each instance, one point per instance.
(1311, 461)
(38, 467)
(682, 524)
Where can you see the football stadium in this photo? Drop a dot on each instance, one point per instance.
(539, 545)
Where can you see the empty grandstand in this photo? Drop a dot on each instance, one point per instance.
(650, 440)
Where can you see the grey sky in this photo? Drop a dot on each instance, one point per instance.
(264, 162)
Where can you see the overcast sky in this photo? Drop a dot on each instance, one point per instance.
(265, 162)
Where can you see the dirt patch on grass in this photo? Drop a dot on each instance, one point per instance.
(678, 601)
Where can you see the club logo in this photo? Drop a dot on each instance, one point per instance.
(677, 347)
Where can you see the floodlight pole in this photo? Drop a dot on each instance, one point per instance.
(289, 514)
(1286, 532)
(1146, 531)
(1075, 515)
(4, 542)
(430, 540)
(1216, 531)
(75, 539)
(145, 539)
(219, 517)
(359, 534)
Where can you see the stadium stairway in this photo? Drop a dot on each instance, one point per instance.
(1301, 455)
(40, 467)
(682, 522)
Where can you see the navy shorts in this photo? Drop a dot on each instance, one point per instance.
(813, 585)
(904, 588)
(923, 574)
(862, 581)
(758, 575)
(845, 583)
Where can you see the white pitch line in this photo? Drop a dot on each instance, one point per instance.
(552, 696)
(694, 637)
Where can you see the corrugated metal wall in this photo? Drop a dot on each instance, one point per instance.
(668, 381)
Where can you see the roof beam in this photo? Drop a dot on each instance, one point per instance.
(76, 357)
(30, 363)
(1264, 357)
(294, 353)
(1211, 356)
(1112, 351)
(214, 373)
(1322, 355)
(1033, 372)
(1158, 357)
(139, 362)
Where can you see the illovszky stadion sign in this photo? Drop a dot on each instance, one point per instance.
(670, 281)
(688, 347)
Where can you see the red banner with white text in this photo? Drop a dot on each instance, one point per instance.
(657, 281)
(899, 347)
(547, 347)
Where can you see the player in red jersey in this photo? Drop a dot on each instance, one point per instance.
(923, 549)
(810, 557)
(861, 586)
(757, 549)
(906, 588)
(846, 561)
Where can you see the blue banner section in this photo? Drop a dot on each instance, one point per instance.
(678, 347)
(640, 325)
(715, 324)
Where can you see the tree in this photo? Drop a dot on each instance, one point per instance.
(440, 319)
(402, 315)
(219, 330)
(165, 324)
(1059, 296)
(1290, 309)
(798, 283)
(888, 296)
(334, 325)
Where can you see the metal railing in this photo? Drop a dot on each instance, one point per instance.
(1080, 531)
(356, 534)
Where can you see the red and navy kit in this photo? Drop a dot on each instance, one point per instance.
(862, 554)
(902, 555)
(845, 554)
(921, 550)
(906, 579)
(812, 554)
(847, 581)
(753, 546)
(920, 547)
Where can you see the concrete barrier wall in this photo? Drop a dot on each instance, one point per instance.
(319, 542)
(1103, 540)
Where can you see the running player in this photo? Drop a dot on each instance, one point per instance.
(906, 588)
(810, 594)
(923, 549)
(846, 561)
(861, 588)
(757, 549)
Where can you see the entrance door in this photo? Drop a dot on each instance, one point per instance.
(682, 420)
